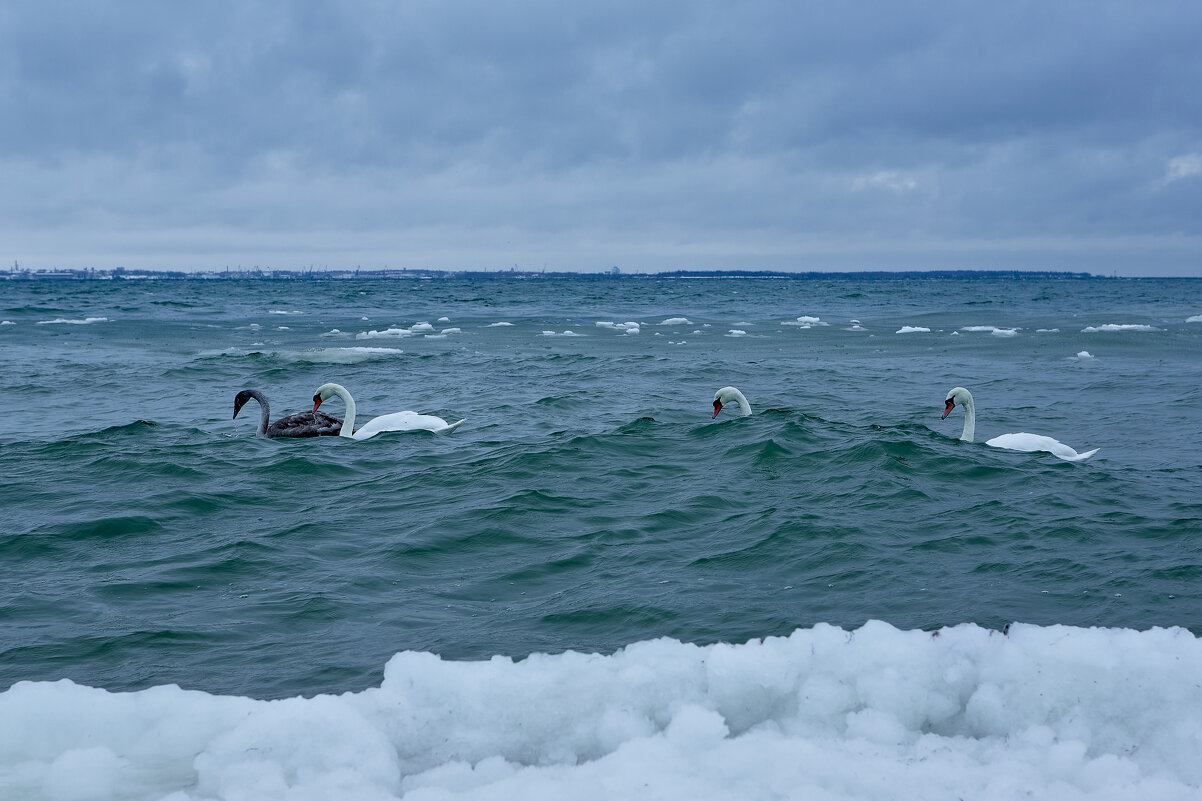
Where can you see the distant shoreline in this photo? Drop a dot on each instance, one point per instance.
(411, 274)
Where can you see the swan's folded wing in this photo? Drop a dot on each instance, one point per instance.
(305, 424)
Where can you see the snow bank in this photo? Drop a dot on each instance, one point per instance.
(876, 713)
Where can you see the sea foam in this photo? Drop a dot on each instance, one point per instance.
(876, 713)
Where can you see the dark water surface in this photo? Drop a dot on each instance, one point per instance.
(589, 501)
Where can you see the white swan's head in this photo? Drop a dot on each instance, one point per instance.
(956, 395)
(325, 392)
(728, 395)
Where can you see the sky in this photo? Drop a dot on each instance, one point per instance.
(582, 136)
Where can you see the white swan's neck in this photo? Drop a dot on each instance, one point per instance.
(348, 422)
(744, 406)
(970, 418)
(324, 392)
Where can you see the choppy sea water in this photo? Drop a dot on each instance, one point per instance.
(590, 505)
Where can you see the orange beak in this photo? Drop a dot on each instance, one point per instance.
(717, 408)
(951, 404)
(317, 402)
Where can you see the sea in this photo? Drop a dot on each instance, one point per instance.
(595, 587)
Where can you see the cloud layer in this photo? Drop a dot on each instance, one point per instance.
(580, 136)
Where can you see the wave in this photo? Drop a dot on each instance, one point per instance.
(870, 713)
(65, 321)
(346, 355)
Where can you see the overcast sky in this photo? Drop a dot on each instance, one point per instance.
(585, 135)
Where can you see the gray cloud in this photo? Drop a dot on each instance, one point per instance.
(688, 134)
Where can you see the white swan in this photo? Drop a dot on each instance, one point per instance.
(1013, 442)
(728, 395)
(398, 421)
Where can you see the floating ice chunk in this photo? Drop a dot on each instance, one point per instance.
(282, 328)
(566, 333)
(1047, 330)
(736, 332)
(805, 321)
(418, 328)
(334, 332)
(992, 329)
(387, 332)
(676, 321)
(913, 329)
(7, 322)
(497, 325)
(1197, 318)
(277, 311)
(452, 330)
(84, 321)
(444, 319)
(1111, 327)
(1084, 355)
(628, 328)
(435, 336)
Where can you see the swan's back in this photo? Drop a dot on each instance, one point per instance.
(305, 424)
(1038, 442)
(405, 421)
